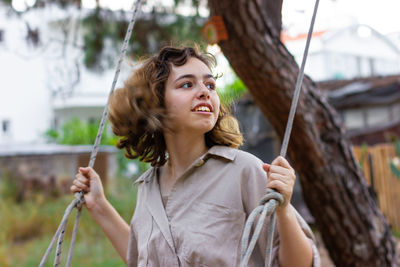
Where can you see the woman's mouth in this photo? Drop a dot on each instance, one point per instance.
(202, 108)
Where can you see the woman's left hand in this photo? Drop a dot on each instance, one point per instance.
(281, 177)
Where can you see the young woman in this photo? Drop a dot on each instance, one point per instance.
(193, 203)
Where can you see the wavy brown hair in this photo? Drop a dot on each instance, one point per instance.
(138, 115)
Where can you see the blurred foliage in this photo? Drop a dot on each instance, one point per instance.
(8, 186)
(395, 162)
(150, 33)
(7, 2)
(77, 132)
(232, 92)
(152, 30)
(364, 154)
(27, 229)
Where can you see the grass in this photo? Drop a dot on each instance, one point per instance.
(26, 230)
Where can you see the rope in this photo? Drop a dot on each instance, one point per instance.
(272, 199)
(79, 199)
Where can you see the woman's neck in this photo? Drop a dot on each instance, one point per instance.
(183, 150)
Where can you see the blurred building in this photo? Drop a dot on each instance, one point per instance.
(394, 37)
(357, 69)
(44, 81)
(369, 107)
(346, 53)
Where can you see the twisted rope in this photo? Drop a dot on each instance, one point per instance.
(272, 200)
(79, 199)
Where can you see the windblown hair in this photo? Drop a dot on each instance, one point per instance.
(138, 115)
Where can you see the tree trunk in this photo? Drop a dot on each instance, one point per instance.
(353, 229)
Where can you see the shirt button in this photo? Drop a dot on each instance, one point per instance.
(199, 163)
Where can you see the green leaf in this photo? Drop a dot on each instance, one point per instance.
(398, 148)
(395, 170)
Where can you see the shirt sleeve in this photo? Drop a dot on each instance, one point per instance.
(254, 182)
(132, 253)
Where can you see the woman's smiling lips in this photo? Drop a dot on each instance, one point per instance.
(203, 108)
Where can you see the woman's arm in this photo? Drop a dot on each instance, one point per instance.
(295, 249)
(104, 214)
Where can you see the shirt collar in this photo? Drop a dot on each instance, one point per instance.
(217, 150)
(222, 151)
(146, 176)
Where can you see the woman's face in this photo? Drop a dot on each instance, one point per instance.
(190, 97)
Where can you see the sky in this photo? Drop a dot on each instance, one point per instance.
(382, 15)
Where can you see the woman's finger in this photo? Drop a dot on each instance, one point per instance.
(266, 167)
(281, 161)
(83, 180)
(281, 170)
(277, 185)
(74, 189)
(80, 185)
(279, 177)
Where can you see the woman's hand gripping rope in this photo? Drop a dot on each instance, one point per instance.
(281, 177)
(280, 182)
(88, 181)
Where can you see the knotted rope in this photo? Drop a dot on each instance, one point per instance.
(267, 207)
(272, 199)
(79, 199)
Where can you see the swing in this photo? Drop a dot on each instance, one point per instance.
(268, 203)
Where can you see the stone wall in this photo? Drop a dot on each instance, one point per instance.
(50, 169)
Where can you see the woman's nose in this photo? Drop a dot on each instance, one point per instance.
(204, 92)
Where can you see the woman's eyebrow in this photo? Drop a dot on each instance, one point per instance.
(206, 76)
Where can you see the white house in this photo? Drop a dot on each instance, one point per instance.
(44, 81)
(24, 99)
(350, 52)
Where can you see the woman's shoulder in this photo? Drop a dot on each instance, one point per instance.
(237, 156)
(234, 154)
(247, 157)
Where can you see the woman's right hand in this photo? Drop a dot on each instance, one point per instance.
(89, 181)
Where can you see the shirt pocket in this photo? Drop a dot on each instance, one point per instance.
(211, 235)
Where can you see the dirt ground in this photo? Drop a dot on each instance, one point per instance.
(326, 260)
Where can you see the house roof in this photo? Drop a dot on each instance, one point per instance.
(285, 37)
(377, 90)
(329, 35)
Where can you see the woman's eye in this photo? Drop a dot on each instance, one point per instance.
(211, 86)
(186, 85)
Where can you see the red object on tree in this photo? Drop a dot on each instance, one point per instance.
(214, 30)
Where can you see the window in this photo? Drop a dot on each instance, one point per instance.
(55, 123)
(5, 126)
(377, 116)
(396, 111)
(1, 35)
(354, 118)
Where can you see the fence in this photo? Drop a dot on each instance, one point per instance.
(375, 162)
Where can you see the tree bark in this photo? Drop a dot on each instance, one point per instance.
(353, 229)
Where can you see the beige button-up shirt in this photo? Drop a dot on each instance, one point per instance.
(204, 217)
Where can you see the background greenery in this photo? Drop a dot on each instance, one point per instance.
(26, 228)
